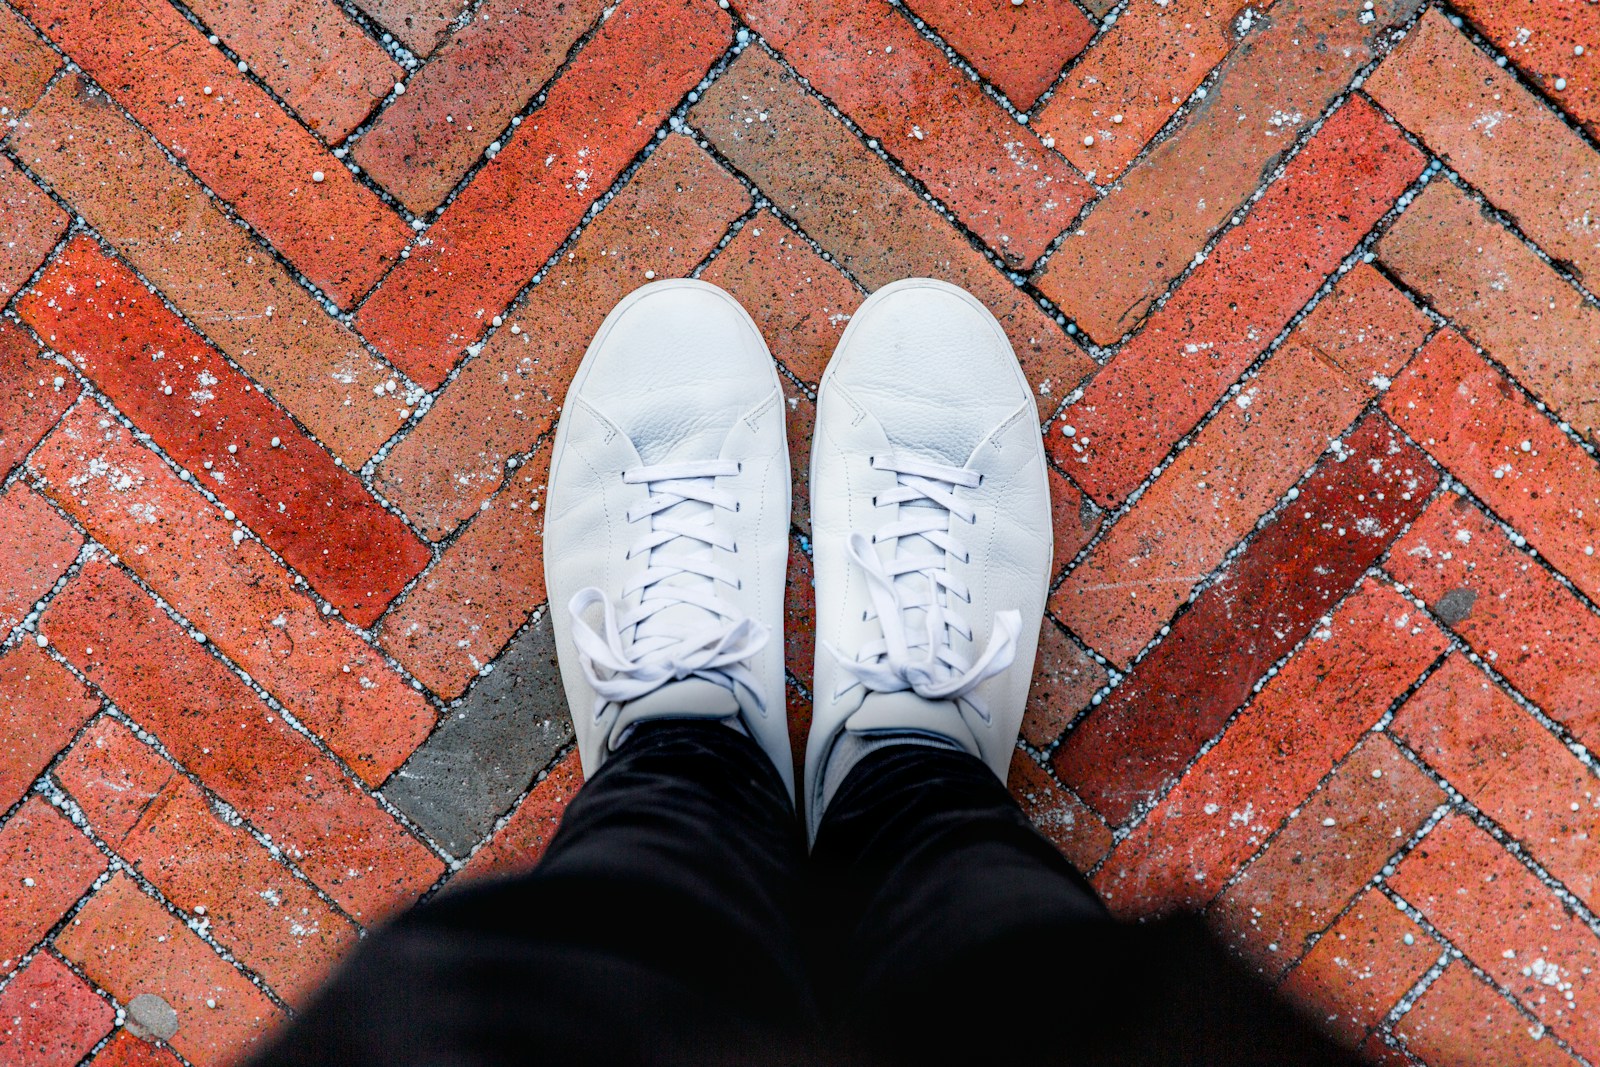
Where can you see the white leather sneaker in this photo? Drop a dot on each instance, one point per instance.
(666, 537)
(930, 512)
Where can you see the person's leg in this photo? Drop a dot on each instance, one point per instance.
(657, 929)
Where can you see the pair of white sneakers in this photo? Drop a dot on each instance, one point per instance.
(667, 530)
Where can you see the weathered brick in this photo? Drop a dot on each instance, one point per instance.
(1528, 625)
(41, 707)
(518, 844)
(1473, 421)
(48, 865)
(30, 226)
(215, 423)
(33, 395)
(252, 308)
(1542, 40)
(1332, 692)
(1020, 49)
(314, 57)
(1467, 729)
(1361, 968)
(234, 592)
(663, 222)
(1501, 138)
(128, 945)
(235, 139)
(36, 547)
(1460, 1019)
(126, 1050)
(800, 301)
(1380, 1050)
(255, 761)
(26, 65)
(1365, 326)
(799, 423)
(1229, 310)
(160, 822)
(418, 24)
(845, 198)
(1502, 295)
(497, 233)
(1064, 678)
(1309, 870)
(461, 613)
(996, 176)
(1074, 517)
(799, 616)
(49, 1017)
(489, 747)
(424, 142)
(1265, 600)
(1069, 824)
(1183, 525)
(1136, 76)
(1509, 923)
(1147, 230)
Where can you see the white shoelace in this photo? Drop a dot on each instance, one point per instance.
(916, 578)
(641, 648)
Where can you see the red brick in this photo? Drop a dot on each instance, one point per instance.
(1074, 517)
(128, 945)
(1511, 611)
(1497, 135)
(1331, 693)
(336, 231)
(453, 107)
(30, 226)
(1541, 39)
(1149, 229)
(235, 593)
(800, 301)
(1309, 871)
(1377, 1051)
(33, 395)
(799, 422)
(1064, 679)
(26, 65)
(995, 175)
(255, 761)
(49, 1017)
(41, 707)
(1183, 525)
(1461, 1020)
(1019, 49)
(418, 24)
(314, 57)
(1361, 968)
(1365, 326)
(125, 1050)
(36, 547)
(1229, 310)
(270, 920)
(1467, 729)
(1508, 923)
(1069, 824)
(1474, 422)
(248, 305)
(663, 222)
(848, 200)
(458, 617)
(1503, 296)
(48, 865)
(518, 845)
(215, 423)
(799, 616)
(1130, 747)
(1134, 79)
(497, 233)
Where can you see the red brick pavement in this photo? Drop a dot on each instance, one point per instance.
(291, 291)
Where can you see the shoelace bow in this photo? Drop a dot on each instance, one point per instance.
(923, 662)
(638, 649)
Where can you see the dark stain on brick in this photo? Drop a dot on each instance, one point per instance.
(1455, 605)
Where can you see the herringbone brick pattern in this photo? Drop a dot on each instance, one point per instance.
(292, 290)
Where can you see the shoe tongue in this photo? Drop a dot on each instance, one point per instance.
(905, 712)
(692, 698)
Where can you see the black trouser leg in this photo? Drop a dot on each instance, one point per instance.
(659, 928)
(962, 936)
